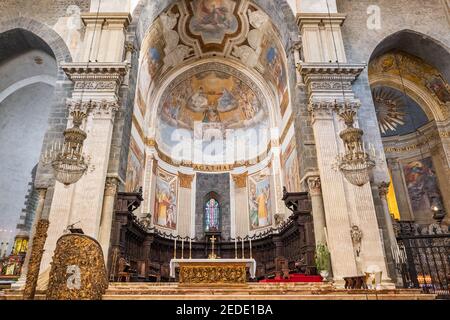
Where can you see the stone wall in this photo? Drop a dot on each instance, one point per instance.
(219, 184)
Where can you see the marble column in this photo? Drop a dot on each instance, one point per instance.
(318, 212)
(401, 193)
(109, 198)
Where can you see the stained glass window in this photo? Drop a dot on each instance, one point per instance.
(212, 215)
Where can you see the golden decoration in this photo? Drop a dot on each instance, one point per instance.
(78, 269)
(37, 249)
(185, 180)
(240, 180)
(222, 273)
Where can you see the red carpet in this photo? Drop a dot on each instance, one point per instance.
(295, 278)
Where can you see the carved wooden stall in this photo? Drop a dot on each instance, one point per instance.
(147, 251)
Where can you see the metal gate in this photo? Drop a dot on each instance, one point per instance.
(423, 258)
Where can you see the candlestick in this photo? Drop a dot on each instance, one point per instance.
(190, 248)
(250, 248)
(243, 255)
(175, 248)
(235, 248)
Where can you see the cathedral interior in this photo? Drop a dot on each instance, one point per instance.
(224, 142)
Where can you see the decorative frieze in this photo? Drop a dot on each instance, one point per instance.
(94, 79)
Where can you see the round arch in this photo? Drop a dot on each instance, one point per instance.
(42, 31)
(417, 44)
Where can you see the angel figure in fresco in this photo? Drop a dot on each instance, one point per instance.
(439, 88)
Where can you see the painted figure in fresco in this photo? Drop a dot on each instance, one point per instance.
(213, 14)
(438, 86)
(259, 204)
(422, 185)
(199, 100)
(163, 207)
(211, 115)
(226, 102)
(263, 214)
(154, 59)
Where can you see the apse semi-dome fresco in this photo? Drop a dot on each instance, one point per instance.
(212, 114)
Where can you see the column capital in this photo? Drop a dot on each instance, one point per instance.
(185, 180)
(92, 18)
(240, 180)
(313, 18)
(111, 186)
(314, 185)
(383, 189)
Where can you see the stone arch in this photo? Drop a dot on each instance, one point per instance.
(42, 31)
(417, 44)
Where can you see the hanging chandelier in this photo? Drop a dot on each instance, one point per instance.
(67, 160)
(355, 164)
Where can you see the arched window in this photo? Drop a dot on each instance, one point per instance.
(212, 215)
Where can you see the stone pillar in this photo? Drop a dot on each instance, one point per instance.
(109, 198)
(318, 212)
(391, 245)
(97, 79)
(241, 205)
(184, 204)
(401, 193)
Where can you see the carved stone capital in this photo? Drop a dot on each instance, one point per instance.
(383, 189)
(185, 180)
(240, 180)
(129, 47)
(104, 109)
(314, 186)
(111, 185)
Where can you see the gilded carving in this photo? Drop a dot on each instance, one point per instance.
(221, 273)
(78, 269)
(240, 180)
(185, 180)
(37, 249)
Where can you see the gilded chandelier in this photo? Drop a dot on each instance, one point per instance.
(67, 160)
(355, 164)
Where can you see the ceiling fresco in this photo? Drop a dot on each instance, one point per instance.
(194, 29)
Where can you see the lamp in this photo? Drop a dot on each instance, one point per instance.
(437, 209)
(67, 160)
(355, 164)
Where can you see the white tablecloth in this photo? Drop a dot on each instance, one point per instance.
(251, 264)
